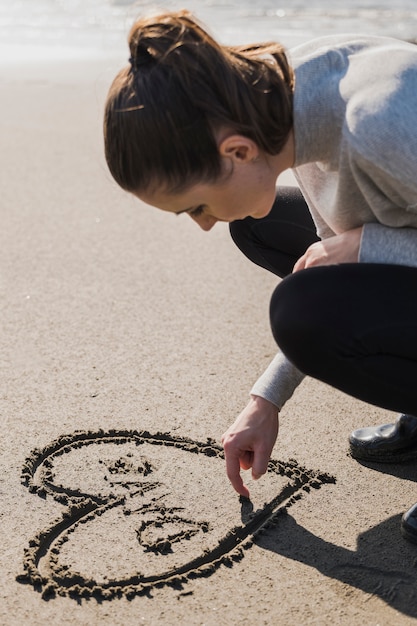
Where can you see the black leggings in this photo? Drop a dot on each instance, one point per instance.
(353, 326)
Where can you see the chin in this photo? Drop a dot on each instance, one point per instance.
(261, 214)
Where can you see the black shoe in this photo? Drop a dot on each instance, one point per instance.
(409, 524)
(389, 443)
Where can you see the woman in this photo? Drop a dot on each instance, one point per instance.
(203, 129)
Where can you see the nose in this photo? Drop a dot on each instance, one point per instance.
(206, 222)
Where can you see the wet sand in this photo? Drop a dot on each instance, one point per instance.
(130, 340)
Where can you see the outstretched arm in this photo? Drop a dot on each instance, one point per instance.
(249, 441)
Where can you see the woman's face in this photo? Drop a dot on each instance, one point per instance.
(247, 189)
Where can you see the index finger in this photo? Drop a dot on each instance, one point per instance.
(233, 473)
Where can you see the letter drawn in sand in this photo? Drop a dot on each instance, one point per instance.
(140, 513)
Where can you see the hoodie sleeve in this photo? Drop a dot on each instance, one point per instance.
(383, 244)
(278, 382)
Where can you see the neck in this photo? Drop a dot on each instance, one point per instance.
(285, 159)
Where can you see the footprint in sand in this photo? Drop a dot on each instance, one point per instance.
(144, 510)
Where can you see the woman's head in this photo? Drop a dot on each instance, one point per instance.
(163, 111)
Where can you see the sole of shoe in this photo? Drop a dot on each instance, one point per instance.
(409, 535)
(378, 456)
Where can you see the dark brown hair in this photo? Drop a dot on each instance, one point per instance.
(181, 85)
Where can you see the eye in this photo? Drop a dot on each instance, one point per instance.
(197, 211)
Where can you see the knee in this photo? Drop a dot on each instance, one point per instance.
(299, 320)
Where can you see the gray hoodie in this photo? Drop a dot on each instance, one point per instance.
(355, 129)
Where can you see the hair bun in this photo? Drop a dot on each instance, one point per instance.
(141, 56)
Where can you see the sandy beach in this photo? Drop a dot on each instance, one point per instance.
(129, 342)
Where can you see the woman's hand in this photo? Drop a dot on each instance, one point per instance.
(249, 441)
(342, 248)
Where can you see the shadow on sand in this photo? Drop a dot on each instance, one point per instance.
(383, 564)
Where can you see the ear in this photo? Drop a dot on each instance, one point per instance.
(239, 148)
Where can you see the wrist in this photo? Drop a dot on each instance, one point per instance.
(263, 403)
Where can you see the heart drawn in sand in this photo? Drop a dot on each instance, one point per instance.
(144, 510)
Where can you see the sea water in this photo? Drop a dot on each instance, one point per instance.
(33, 28)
